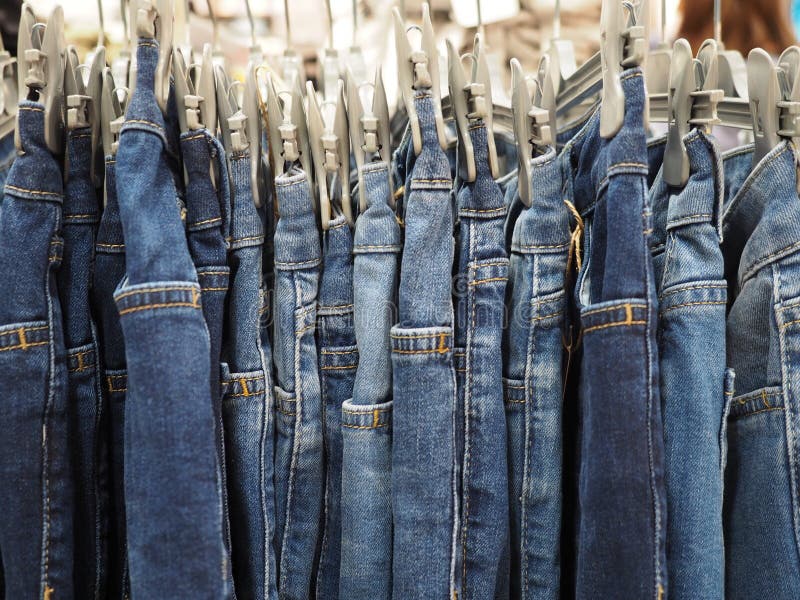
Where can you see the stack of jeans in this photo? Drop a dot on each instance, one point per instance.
(455, 396)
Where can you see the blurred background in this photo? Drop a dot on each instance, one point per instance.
(513, 28)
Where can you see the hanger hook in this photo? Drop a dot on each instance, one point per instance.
(557, 21)
(288, 24)
(330, 23)
(101, 34)
(214, 25)
(480, 17)
(718, 21)
(123, 8)
(355, 20)
(250, 21)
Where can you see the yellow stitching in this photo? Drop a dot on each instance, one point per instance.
(753, 396)
(338, 368)
(418, 337)
(364, 426)
(48, 593)
(628, 314)
(761, 410)
(376, 417)
(240, 379)
(363, 413)
(23, 347)
(719, 286)
(288, 414)
(22, 341)
(515, 387)
(338, 351)
(110, 245)
(359, 246)
(491, 264)
(28, 329)
(490, 280)
(31, 108)
(558, 296)
(148, 44)
(439, 350)
(321, 307)
(212, 272)
(692, 304)
(628, 164)
(786, 325)
(34, 192)
(431, 181)
(550, 316)
(610, 308)
(617, 324)
(148, 290)
(194, 137)
(214, 289)
(502, 209)
(156, 125)
(164, 305)
(511, 401)
(306, 328)
(206, 221)
(631, 76)
(245, 390)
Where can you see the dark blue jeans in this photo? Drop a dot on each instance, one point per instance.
(482, 265)
(760, 232)
(36, 491)
(172, 495)
(423, 450)
(87, 418)
(622, 510)
(366, 559)
(248, 404)
(533, 382)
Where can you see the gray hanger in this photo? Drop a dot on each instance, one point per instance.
(154, 20)
(8, 91)
(471, 102)
(693, 100)
(419, 70)
(561, 52)
(534, 119)
(292, 71)
(370, 133)
(84, 102)
(196, 96)
(732, 67)
(112, 116)
(41, 63)
(765, 94)
(657, 71)
(330, 73)
(355, 56)
(330, 151)
(253, 127)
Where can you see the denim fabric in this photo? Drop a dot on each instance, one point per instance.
(298, 423)
(36, 491)
(656, 147)
(8, 152)
(248, 401)
(87, 419)
(423, 450)
(532, 347)
(366, 547)
(691, 340)
(338, 359)
(109, 269)
(207, 205)
(620, 530)
(173, 501)
(482, 273)
(761, 229)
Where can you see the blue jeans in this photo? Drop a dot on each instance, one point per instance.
(87, 418)
(532, 381)
(172, 497)
(482, 265)
(621, 468)
(36, 491)
(760, 229)
(366, 547)
(298, 421)
(691, 340)
(423, 450)
(8, 152)
(109, 269)
(248, 401)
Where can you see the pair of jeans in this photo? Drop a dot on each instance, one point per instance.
(761, 229)
(87, 417)
(479, 290)
(207, 206)
(8, 152)
(366, 546)
(109, 270)
(248, 400)
(298, 422)
(423, 418)
(692, 294)
(36, 491)
(620, 536)
(173, 501)
(338, 359)
(532, 383)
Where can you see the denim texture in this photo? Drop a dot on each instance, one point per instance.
(36, 485)
(338, 359)
(692, 295)
(366, 546)
(621, 468)
(87, 419)
(248, 400)
(761, 229)
(8, 152)
(299, 469)
(479, 290)
(173, 500)
(109, 270)
(423, 418)
(532, 383)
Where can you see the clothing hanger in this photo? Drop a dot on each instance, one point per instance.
(370, 132)
(471, 102)
(329, 139)
(121, 65)
(693, 100)
(624, 45)
(292, 70)
(561, 53)
(113, 102)
(218, 56)
(419, 70)
(657, 71)
(732, 67)
(182, 39)
(154, 20)
(8, 91)
(330, 74)
(534, 119)
(40, 72)
(355, 56)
